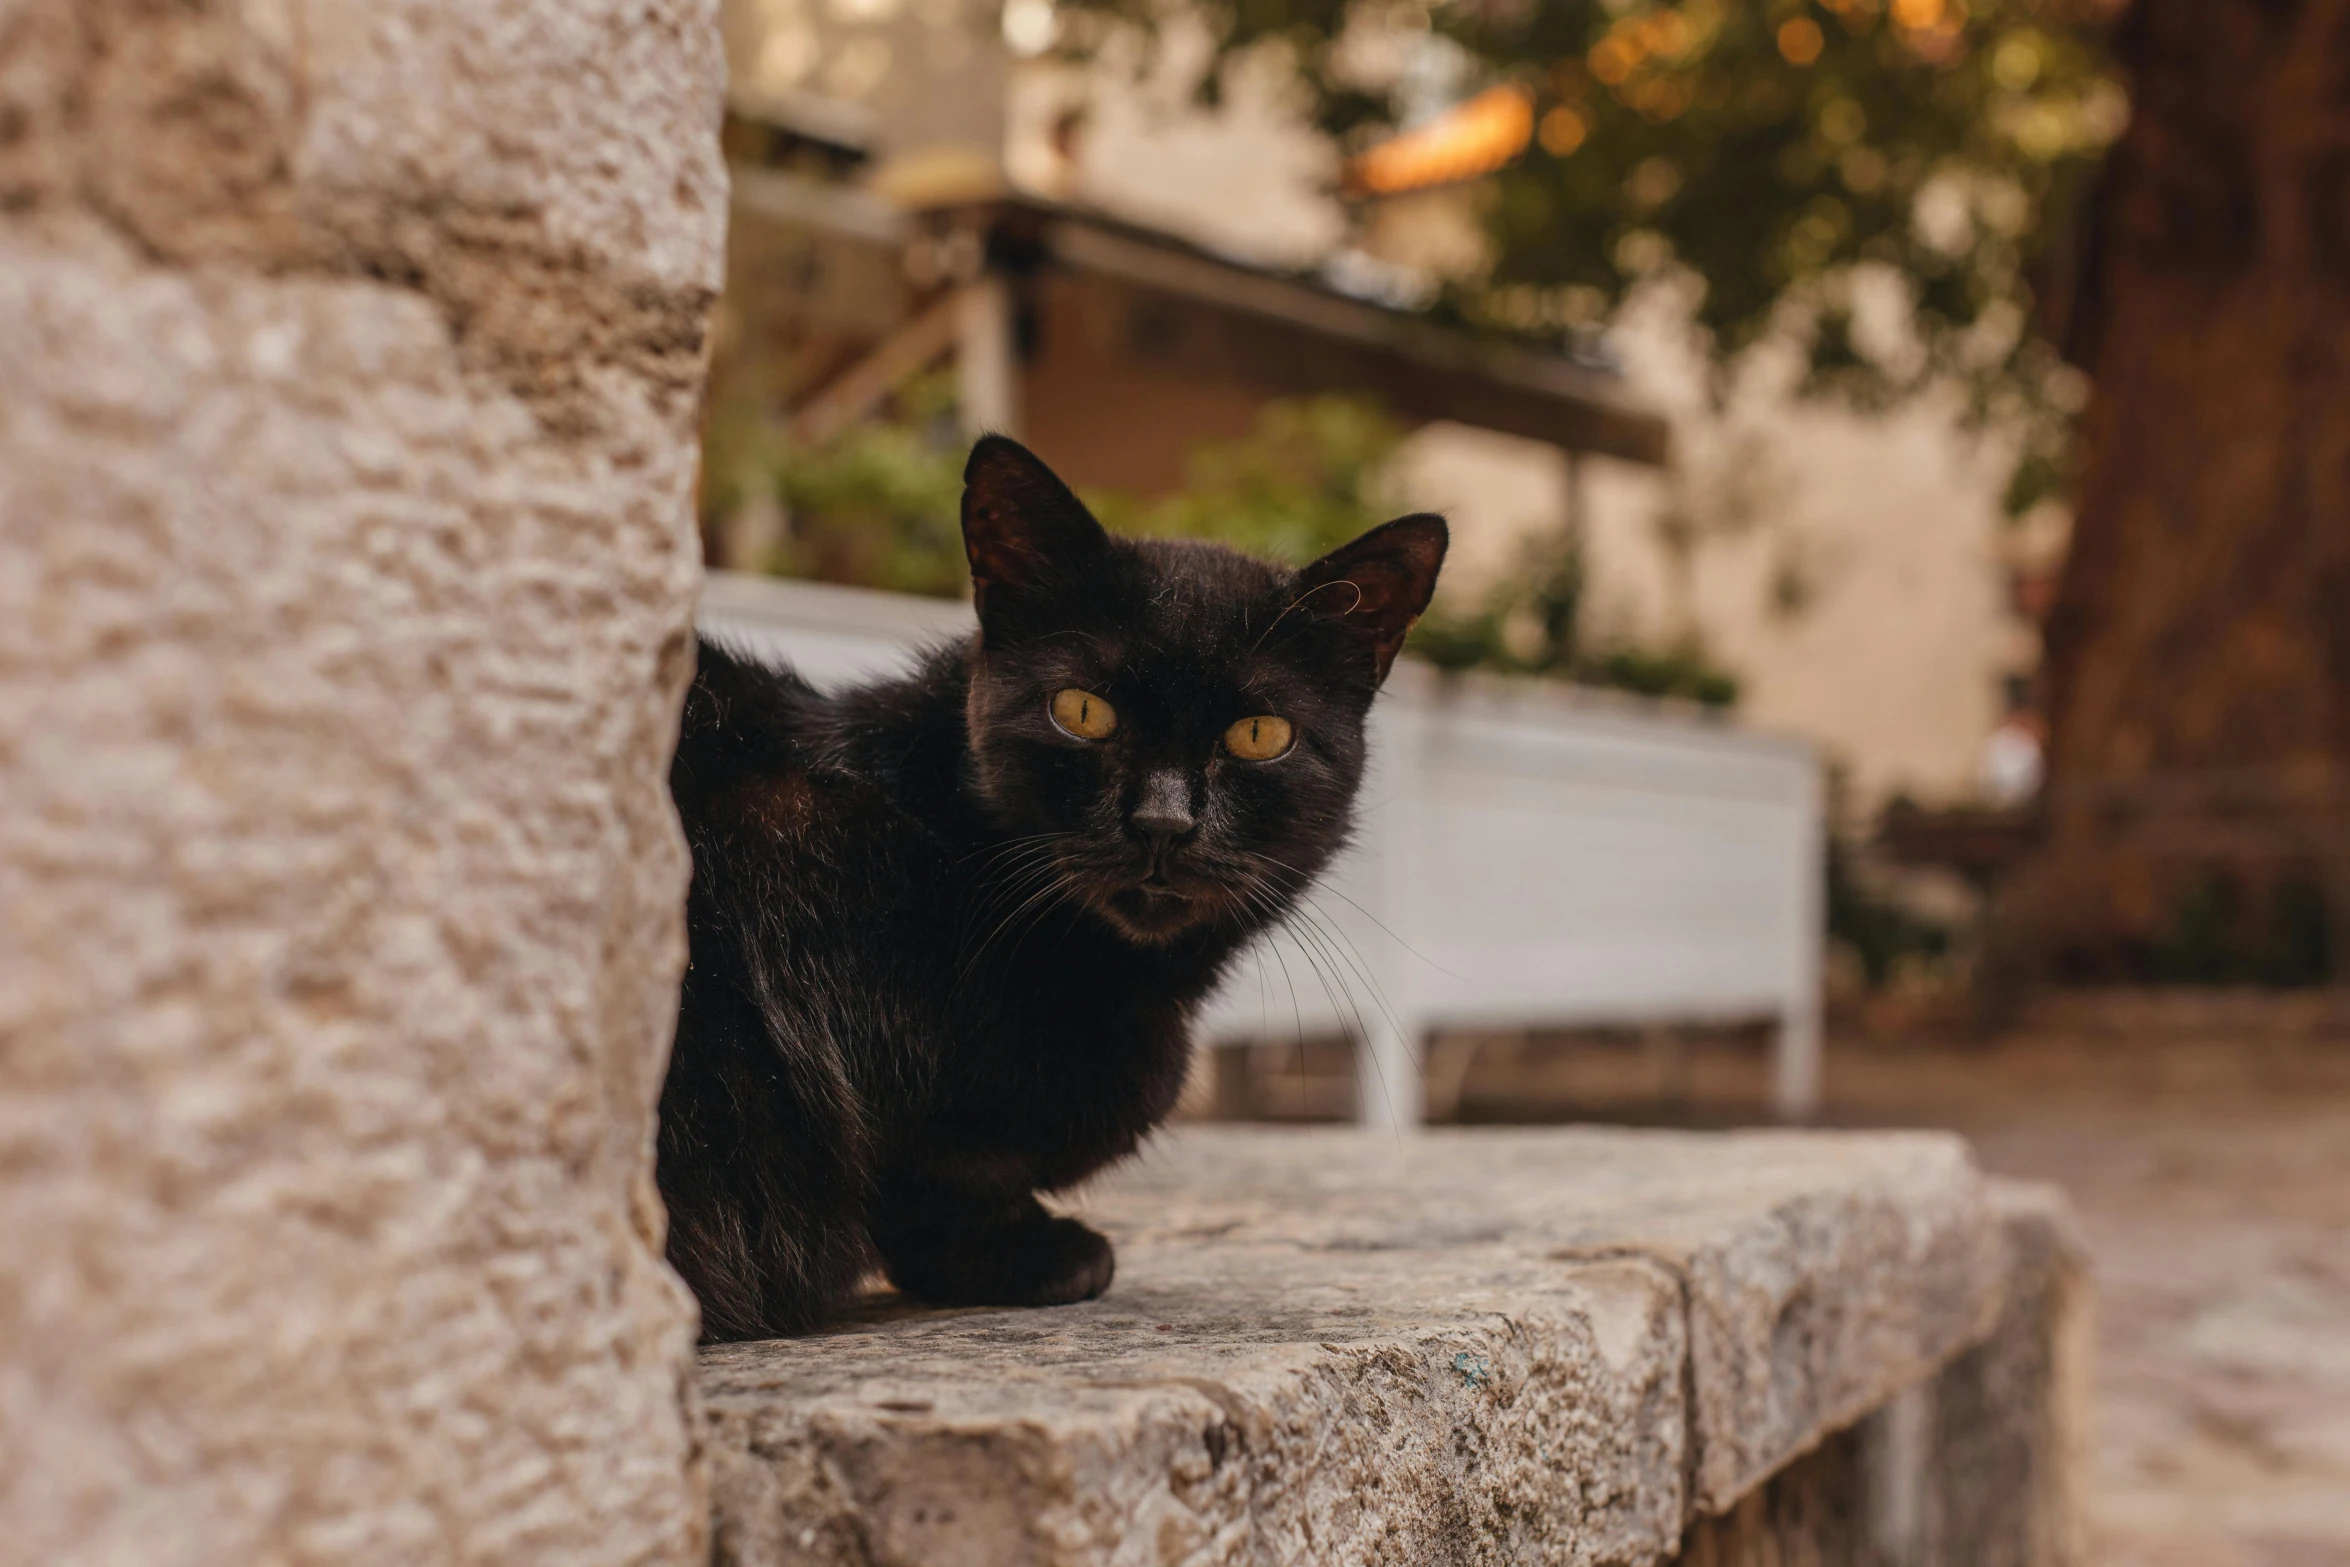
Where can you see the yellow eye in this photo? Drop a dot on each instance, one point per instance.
(1084, 715)
(1258, 739)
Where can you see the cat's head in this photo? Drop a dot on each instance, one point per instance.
(1174, 729)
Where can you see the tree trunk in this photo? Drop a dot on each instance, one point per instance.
(2199, 651)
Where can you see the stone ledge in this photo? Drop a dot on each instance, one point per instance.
(1326, 1347)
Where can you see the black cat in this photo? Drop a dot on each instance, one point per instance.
(947, 930)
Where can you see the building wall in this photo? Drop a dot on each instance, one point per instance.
(895, 77)
(1100, 401)
(1502, 493)
(1249, 179)
(1852, 569)
(348, 361)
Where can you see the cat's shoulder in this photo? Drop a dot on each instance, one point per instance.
(760, 745)
(739, 698)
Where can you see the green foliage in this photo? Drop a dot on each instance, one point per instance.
(877, 506)
(1780, 150)
(1309, 478)
(1878, 930)
(1305, 481)
(2223, 932)
(1531, 624)
(1682, 671)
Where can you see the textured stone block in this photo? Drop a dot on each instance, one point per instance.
(1339, 1347)
(349, 352)
(1979, 1465)
(2010, 1433)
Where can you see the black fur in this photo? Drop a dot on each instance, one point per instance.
(928, 978)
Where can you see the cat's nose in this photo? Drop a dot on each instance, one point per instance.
(1164, 811)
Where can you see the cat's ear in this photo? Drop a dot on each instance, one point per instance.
(1376, 586)
(1022, 527)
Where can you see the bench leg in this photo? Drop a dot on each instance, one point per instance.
(1795, 1086)
(1388, 1090)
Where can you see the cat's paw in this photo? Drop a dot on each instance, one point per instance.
(1039, 1260)
(1064, 1262)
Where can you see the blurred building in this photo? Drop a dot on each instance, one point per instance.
(1119, 274)
(878, 233)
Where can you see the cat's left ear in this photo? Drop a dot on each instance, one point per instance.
(1376, 586)
(1022, 527)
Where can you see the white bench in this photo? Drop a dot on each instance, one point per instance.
(1530, 854)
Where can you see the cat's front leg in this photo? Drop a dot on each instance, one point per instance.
(962, 1249)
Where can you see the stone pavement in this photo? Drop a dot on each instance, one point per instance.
(2221, 1240)
(2203, 1140)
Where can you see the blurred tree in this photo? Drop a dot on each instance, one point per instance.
(2199, 651)
(1795, 156)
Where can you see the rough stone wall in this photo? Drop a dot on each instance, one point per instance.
(349, 352)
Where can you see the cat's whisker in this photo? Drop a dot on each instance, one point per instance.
(1362, 1033)
(1308, 886)
(1010, 895)
(1006, 846)
(1020, 937)
(1343, 945)
(1018, 860)
(1300, 599)
(1051, 887)
(1012, 890)
(1297, 1015)
(1318, 954)
(1360, 965)
(1274, 929)
(1313, 934)
(1018, 869)
(1015, 864)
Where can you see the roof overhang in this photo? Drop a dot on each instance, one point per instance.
(1287, 333)
(1302, 338)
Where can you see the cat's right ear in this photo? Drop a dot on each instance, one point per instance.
(1022, 527)
(1375, 587)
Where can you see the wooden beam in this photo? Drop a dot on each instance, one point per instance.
(905, 353)
(1224, 320)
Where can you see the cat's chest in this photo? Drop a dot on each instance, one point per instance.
(1070, 1006)
(1066, 1068)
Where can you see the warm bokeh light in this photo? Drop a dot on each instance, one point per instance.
(1614, 57)
(1563, 130)
(1801, 41)
(1476, 138)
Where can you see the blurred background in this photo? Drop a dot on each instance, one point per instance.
(1959, 386)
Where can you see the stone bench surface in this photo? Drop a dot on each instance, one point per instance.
(1342, 1346)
